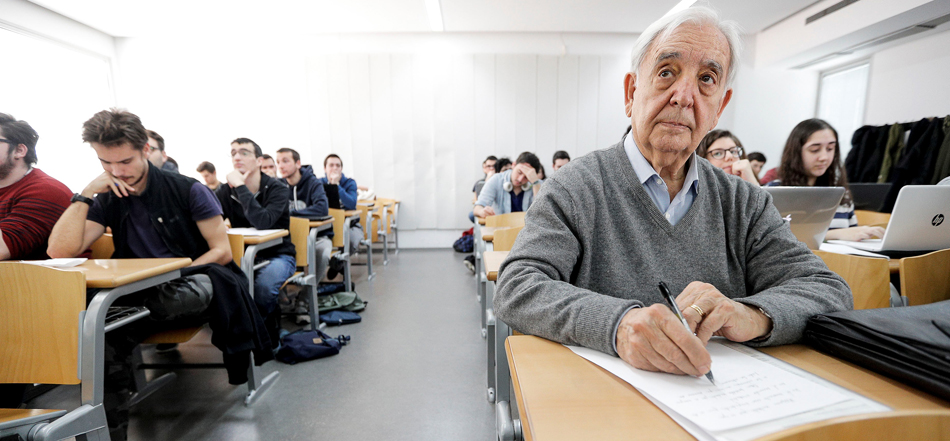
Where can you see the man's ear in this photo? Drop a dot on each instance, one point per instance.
(725, 100)
(20, 151)
(629, 86)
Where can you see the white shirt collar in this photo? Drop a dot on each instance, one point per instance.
(645, 171)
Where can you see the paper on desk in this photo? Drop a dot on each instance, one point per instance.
(747, 391)
(251, 231)
(64, 262)
(844, 249)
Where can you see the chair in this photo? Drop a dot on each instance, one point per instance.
(41, 312)
(908, 424)
(872, 218)
(926, 279)
(365, 220)
(505, 220)
(504, 239)
(868, 277)
(382, 225)
(299, 235)
(103, 247)
(392, 222)
(341, 241)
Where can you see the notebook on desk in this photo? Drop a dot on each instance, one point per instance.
(809, 210)
(918, 223)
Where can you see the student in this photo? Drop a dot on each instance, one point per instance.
(252, 199)
(488, 167)
(724, 151)
(207, 171)
(307, 199)
(268, 165)
(811, 158)
(512, 190)
(561, 158)
(605, 231)
(341, 194)
(156, 155)
(30, 201)
(156, 214)
(501, 165)
(757, 161)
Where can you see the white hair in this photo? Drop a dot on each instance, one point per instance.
(697, 15)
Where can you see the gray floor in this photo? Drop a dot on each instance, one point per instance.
(414, 370)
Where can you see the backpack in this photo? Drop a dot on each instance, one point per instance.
(345, 300)
(337, 318)
(464, 244)
(309, 345)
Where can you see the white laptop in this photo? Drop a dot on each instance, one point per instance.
(920, 221)
(809, 210)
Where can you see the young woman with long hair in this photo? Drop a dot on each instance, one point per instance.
(811, 158)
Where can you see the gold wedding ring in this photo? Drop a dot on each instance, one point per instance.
(702, 314)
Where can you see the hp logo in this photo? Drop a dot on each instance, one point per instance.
(937, 220)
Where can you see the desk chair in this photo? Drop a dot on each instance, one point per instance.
(908, 424)
(257, 383)
(384, 221)
(868, 277)
(41, 313)
(341, 241)
(299, 232)
(505, 220)
(872, 218)
(392, 224)
(505, 239)
(926, 279)
(103, 247)
(366, 217)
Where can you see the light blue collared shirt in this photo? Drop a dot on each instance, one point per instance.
(654, 185)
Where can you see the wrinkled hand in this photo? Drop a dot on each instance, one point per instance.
(723, 316)
(529, 172)
(106, 182)
(236, 178)
(857, 233)
(653, 339)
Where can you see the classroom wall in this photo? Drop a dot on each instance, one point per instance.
(909, 82)
(412, 116)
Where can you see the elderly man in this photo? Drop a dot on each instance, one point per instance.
(605, 231)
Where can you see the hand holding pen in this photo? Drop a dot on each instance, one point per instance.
(676, 310)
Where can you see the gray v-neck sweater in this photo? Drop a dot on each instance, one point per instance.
(594, 244)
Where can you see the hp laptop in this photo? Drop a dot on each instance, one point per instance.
(869, 196)
(809, 210)
(919, 222)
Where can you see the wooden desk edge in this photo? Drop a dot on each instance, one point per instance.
(125, 279)
(526, 424)
(316, 224)
(491, 258)
(254, 240)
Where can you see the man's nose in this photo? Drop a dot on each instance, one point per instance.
(683, 92)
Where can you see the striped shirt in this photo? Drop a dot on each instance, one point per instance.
(28, 210)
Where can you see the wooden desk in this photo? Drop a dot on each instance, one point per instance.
(257, 240)
(480, 220)
(110, 273)
(493, 261)
(488, 233)
(561, 396)
(116, 278)
(321, 225)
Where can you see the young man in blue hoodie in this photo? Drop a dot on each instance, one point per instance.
(341, 192)
(309, 200)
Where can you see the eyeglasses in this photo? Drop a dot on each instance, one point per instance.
(242, 152)
(721, 153)
(6, 141)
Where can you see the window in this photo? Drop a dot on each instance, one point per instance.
(55, 88)
(841, 97)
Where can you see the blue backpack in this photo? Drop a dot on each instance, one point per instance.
(309, 345)
(464, 244)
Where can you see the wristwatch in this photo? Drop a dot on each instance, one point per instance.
(80, 198)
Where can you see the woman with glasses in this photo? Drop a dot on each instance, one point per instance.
(811, 158)
(723, 150)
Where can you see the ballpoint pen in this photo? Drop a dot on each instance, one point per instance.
(676, 310)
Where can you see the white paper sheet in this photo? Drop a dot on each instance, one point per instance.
(251, 231)
(64, 262)
(755, 394)
(844, 249)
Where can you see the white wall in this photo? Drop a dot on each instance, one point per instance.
(909, 82)
(767, 103)
(411, 115)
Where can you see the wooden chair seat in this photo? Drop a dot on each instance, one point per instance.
(182, 335)
(868, 277)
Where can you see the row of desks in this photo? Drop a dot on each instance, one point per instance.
(561, 396)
